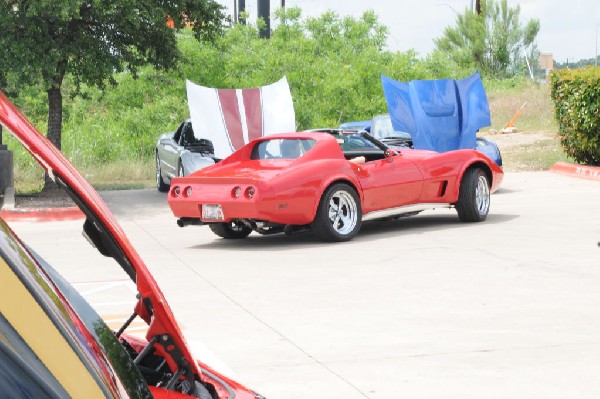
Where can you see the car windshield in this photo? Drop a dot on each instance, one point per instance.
(282, 148)
(354, 142)
(382, 129)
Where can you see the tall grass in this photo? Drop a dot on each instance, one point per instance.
(506, 97)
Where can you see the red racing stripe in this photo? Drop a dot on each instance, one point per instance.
(253, 107)
(231, 115)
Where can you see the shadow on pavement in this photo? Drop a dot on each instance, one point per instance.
(372, 230)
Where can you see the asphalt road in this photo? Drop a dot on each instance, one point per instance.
(423, 307)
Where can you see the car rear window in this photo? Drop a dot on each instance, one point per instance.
(282, 148)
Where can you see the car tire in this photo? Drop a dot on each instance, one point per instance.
(231, 230)
(160, 183)
(474, 196)
(339, 215)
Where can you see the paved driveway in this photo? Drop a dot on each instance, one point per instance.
(423, 307)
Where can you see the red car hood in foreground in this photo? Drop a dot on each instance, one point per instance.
(108, 236)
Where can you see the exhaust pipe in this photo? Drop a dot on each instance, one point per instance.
(182, 222)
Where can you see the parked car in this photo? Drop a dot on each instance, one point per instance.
(54, 345)
(179, 153)
(357, 125)
(283, 182)
(381, 128)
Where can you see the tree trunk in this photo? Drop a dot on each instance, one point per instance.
(54, 126)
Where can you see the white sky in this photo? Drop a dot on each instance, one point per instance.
(569, 28)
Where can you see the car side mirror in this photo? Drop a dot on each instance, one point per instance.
(391, 153)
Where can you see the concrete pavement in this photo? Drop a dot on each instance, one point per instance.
(423, 307)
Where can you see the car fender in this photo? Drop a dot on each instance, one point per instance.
(489, 148)
(493, 171)
(193, 161)
(344, 174)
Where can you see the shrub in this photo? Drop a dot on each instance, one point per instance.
(576, 96)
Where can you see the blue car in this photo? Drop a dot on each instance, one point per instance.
(381, 128)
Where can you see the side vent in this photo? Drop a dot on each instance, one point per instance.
(443, 186)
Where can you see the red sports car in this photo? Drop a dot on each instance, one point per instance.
(329, 182)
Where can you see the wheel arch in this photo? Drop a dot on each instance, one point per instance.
(476, 164)
(330, 183)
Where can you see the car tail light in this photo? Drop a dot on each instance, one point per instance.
(236, 192)
(187, 192)
(176, 191)
(250, 191)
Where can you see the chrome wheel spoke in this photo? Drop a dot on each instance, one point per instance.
(482, 195)
(343, 212)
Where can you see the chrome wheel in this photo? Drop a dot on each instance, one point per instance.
(482, 195)
(339, 214)
(343, 212)
(473, 202)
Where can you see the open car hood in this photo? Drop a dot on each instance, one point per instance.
(440, 115)
(104, 231)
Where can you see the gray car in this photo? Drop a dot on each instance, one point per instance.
(180, 153)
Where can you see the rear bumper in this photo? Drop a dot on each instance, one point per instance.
(275, 209)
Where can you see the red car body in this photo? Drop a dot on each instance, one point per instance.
(164, 339)
(393, 181)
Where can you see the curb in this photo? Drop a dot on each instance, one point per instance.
(582, 171)
(41, 214)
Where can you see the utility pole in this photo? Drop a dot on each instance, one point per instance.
(7, 184)
(264, 12)
(241, 8)
(283, 4)
(595, 59)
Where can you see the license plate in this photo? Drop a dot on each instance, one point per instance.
(212, 212)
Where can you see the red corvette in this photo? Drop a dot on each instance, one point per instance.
(329, 182)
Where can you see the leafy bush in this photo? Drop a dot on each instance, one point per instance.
(576, 97)
(333, 65)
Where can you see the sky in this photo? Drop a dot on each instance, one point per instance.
(569, 29)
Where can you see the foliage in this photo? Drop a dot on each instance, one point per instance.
(44, 41)
(492, 41)
(571, 63)
(577, 111)
(333, 65)
(90, 40)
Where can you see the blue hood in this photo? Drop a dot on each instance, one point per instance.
(440, 115)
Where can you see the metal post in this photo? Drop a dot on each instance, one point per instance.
(241, 9)
(264, 11)
(596, 59)
(7, 190)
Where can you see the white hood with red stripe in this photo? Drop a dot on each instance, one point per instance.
(231, 118)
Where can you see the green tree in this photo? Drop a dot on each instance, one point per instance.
(494, 41)
(43, 41)
(333, 64)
